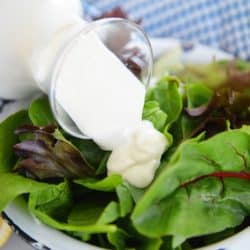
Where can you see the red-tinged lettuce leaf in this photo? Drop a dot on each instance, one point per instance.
(203, 181)
(218, 73)
(41, 115)
(189, 209)
(225, 105)
(228, 103)
(238, 75)
(46, 156)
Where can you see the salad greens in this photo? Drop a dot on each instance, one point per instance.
(49, 155)
(183, 198)
(8, 139)
(40, 113)
(204, 175)
(167, 96)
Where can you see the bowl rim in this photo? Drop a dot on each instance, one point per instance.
(24, 236)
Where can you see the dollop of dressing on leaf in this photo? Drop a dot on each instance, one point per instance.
(137, 159)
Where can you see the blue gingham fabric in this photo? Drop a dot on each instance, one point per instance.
(224, 24)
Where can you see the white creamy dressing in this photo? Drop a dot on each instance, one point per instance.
(138, 157)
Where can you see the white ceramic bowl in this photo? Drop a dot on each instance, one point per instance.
(43, 237)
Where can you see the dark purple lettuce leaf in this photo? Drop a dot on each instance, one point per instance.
(44, 156)
(230, 104)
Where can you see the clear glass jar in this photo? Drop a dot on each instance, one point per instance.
(126, 40)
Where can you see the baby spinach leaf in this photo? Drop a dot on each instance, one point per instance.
(107, 184)
(197, 95)
(101, 169)
(88, 217)
(14, 185)
(8, 139)
(153, 113)
(125, 200)
(109, 214)
(189, 209)
(91, 212)
(136, 193)
(166, 94)
(150, 244)
(93, 228)
(55, 201)
(92, 153)
(170, 206)
(184, 128)
(40, 112)
(82, 236)
(118, 239)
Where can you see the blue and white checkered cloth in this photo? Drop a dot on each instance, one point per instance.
(223, 24)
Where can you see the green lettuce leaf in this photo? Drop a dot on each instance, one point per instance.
(55, 201)
(118, 239)
(197, 95)
(89, 217)
(107, 184)
(15, 185)
(93, 228)
(197, 98)
(93, 212)
(125, 198)
(40, 112)
(91, 152)
(166, 94)
(153, 113)
(102, 166)
(150, 244)
(192, 189)
(8, 139)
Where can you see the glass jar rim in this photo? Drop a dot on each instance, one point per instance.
(88, 27)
